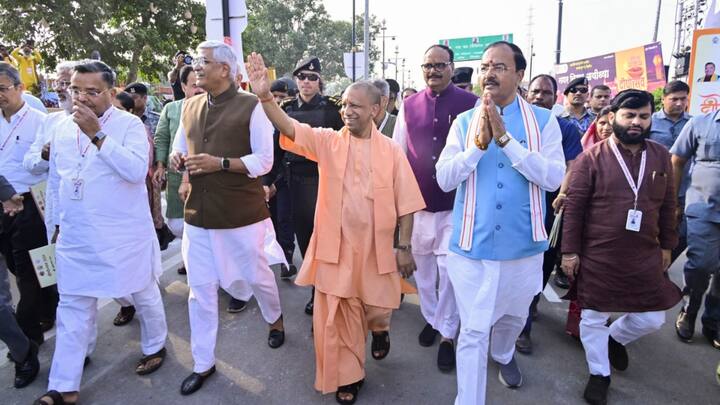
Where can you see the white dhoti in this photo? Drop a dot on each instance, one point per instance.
(230, 259)
(430, 240)
(491, 296)
(77, 331)
(594, 334)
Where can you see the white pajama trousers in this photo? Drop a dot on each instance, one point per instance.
(430, 239)
(594, 334)
(493, 298)
(77, 331)
(231, 259)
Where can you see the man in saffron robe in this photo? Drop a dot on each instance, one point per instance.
(366, 187)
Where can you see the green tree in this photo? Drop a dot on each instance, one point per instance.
(135, 37)
(286, 31)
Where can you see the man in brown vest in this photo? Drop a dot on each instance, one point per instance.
(225, 143)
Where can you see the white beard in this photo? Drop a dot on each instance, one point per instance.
(66, 105)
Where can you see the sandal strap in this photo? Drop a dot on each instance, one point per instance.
(57, 398)
(159, 355)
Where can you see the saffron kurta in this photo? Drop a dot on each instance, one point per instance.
(365, 186)
(621, 270)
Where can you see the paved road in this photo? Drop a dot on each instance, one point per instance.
(662, 370)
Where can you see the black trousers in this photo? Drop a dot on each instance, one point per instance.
(303, 191)
(18, 235)
(281, 214)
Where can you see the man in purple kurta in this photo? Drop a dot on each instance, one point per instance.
(422, 126)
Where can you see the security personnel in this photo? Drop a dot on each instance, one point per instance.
(312, 108)
(462, 78)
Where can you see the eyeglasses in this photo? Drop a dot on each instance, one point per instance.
(581, 90)
(62, 84)
(76, 92)
(202, 61)
(308, 76)
(440, 66)
(497, 68)
(4, 90)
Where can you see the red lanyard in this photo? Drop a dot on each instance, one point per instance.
(13, 131)
(102, 124)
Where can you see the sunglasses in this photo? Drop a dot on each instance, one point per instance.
(311, 77)
(581, 90)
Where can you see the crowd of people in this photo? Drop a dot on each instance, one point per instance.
(462, 192)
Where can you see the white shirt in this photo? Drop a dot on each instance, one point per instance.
(16, 137)
(34, 102)
(35, 164)
(107, 245)
(260, 159)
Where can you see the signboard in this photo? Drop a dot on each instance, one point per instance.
(636, 68)
(472, 48)
(704, 75)
(359, 64)
(238, 21)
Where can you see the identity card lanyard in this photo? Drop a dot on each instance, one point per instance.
(634, 218)
(17, 138)
(77, 182)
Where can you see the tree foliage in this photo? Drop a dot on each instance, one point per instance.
(286, 31)
(136, 37)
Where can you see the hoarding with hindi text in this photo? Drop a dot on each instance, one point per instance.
(640, 68)
(704, 75)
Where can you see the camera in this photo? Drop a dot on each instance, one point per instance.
(188, 60)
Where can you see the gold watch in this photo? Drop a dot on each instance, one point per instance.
(503, 140)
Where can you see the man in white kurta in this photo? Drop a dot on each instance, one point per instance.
(500, 156)
(37, 158)
(106, 245)
(225, 142)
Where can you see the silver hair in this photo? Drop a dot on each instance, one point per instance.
(9, 70)
(383, 86)
(222, 53)
(370, 89)
(65, 66)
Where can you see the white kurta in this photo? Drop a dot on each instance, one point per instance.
(16, 137)
(35, 164)
(107, 245)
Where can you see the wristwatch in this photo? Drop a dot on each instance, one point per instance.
(225, 164)
(404, 247)
(98, 137)
(503, 140)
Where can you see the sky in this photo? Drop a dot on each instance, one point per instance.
(590, 27)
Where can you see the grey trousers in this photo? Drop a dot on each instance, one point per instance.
(10, 332)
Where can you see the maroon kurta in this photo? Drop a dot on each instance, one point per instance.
(621, 270)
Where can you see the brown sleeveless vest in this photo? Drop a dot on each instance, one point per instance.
(222, 200)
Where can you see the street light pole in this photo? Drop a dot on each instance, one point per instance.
(397, 51)
(383, 27)
(353, 41)
(403, 74)
(366, 42)
(559, 32)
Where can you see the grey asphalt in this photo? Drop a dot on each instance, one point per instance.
(662, 369)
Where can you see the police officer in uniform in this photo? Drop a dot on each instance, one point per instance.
(312, 108)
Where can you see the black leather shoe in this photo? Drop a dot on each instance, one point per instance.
(561, 280)
(309, 306)
(523, 344)
(276, 338)
(125, 315)
(195, 381)
(617, 354)
(235, 305)
(27, 370)
(596, 390)
(446, 357)
(685, 326)
(712, 336)
(427, 336)
(286, 272)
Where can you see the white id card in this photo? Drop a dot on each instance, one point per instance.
(77, 191)
(634, 219)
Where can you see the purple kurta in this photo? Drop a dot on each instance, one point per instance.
(428, 117)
